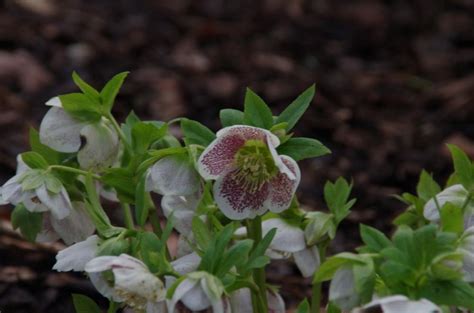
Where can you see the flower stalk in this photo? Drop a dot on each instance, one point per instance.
(259, 300)
(317, 287)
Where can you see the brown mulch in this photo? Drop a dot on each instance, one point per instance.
(394, 84)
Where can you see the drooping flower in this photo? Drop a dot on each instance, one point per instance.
(75, 227)
(183, 209)
(289, 241)
(133, 283)
(241, 302)
(38, 191)
(456, 195)
(200, 291)
(75, 257)
(399, 304)
(251, 177)
(466, 247)
(173, 175)
(96, 143)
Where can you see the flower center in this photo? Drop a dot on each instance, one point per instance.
(255, 165)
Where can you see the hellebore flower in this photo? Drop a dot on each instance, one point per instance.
(75, 257)
(466, 247)
(342, 289)
(399, 304)
(38, 191)
(199, 291)
(456, 195)
(183, 209)
(241, 302)
(75, 227)
(173, 175)
(96, 143)
(289, 241)
(251, 177)
(133, 283)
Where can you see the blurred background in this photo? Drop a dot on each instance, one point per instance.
(394, 82)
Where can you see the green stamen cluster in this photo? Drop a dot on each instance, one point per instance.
(255, 165)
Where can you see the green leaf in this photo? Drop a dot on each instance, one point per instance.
(84, 304)
(301, 148)
(373, 238)
(230, 117)
(332, 264)
(463, 167)
(113, 246)
(196, 133)
(456, 293)
(111, 89)
(81, 107)
(123, 180)
(87, 89)
(142, 202)
(296, 109)
(201, 233)
(452, 218)
(51, 156)
(236, 256)
(364, 278)
(332, 308)
(30, 223)
(303, 307)
(336, 196)
(144, 134)
(34, 160)
(427, 188)
(256, 111)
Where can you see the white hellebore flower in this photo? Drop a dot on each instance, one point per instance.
(466, 247)
(289, 241)
(182, 209)
(199, 291)
(342, 289)
(456, 195)
(96, 144)
(399, 304)
(75, 257)
(133, 283)
(250, 177)
(173, 175)
(241, 302)
(38, 191)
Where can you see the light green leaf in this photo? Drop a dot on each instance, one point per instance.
(303, 307)
(144, 134)
(463, 167)
(51, 156)
(87, 89)
(296, 109)
(34, 160)
(427, 188)
(84, 304)
(373, 238)
(81, 107)
(256, 111)
(142, 202)
(196, 133)
(301, 148)
(452, 218)
(231, 117)
(30, 223)
(111, 89)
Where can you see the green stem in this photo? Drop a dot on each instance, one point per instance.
(317, 287)
(112, 307)
(72, 170)
(466, 202)
(155, 224)
(127, 215)
(119, 131)
(259, 300)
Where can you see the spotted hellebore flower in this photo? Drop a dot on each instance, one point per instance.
(251, 177)
(96, 143)
(132, 283)
(399, 304)
(289, 241)
(38, 191)
(456, 195)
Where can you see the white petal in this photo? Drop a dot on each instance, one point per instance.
(196, 299)
(12, 191)
(183, 246)
(47, 233)
(342, 290)
(279, 162)
(456, 194)
(184, 287)
(75, 257)
(401, 304)
(100, 264)
(60, 131)
(174, 175)
(307, 261)
(54, 102)
(59, 204)
(103, 286)
(32, 202)
(75, 227)
(186, 264)
(21, 166)
(275, 303)
(241, 301)
(182, 209)
(274, 140)
(288, 238)
(156, 307)
(101, 146)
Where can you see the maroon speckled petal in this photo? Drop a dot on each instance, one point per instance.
(282, 188)
(235, 201)
(219, 155)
